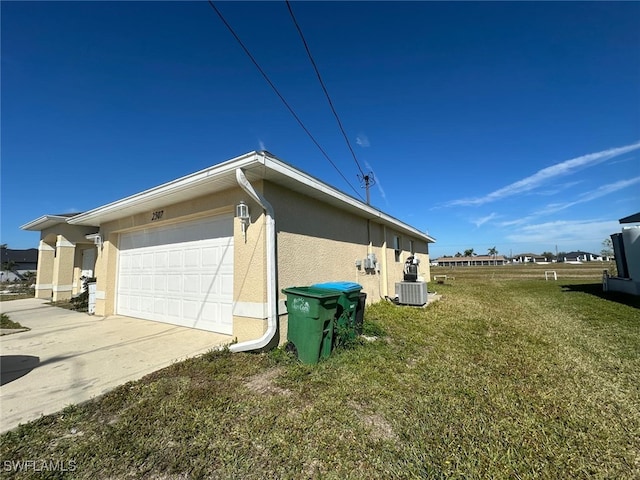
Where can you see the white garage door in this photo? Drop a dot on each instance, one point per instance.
(180, 274)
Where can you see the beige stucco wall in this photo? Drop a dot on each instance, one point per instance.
(320, 243)
(72, 233)
(44, 273)
(63, 269)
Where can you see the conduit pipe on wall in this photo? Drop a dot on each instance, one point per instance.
(272, 294)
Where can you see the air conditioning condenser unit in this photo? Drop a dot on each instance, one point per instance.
(411, 293)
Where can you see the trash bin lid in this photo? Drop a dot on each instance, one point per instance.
(311, 292)
(346, 287)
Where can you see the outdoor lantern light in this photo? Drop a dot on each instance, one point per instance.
(242, 212)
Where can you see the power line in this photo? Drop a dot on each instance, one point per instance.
(273, 87)
(324, 89)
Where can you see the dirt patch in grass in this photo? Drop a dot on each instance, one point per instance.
(264, 382)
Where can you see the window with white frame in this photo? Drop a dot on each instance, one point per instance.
(397, 248)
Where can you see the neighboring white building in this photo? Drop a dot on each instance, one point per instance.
(626, 247)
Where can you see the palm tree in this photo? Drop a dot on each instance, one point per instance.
(468, 252)
(493, 251)
(9, 265)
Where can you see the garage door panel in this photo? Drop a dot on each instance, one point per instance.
(192, 258)
(190, 310)
(160, 283)
(175, 259)
(173, 308)
(146, 283)
(134, 303)
(147, 304)
(160, 306)
(174, 283)
(210, 256)
(191, 283)
(187, 280)
(227, 284)
(226, 313)
(209, 285)
(160, 259)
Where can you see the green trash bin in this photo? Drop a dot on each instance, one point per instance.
(347, 310)
(311, 322)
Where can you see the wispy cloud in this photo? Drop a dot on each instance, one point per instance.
(482, 220)
(555, 189)
(261, 144)
(622, 160)
(591, 195)
(582, 198)
(567, 234)
(546, 174)
(363, 141)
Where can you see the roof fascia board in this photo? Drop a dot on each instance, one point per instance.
(43, 222)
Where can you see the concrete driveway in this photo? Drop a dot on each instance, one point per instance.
(69, 357)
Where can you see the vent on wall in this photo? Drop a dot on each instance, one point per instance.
(411, 293)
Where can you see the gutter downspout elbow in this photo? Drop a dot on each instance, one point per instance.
(272, 293)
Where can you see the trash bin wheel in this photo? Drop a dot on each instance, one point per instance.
(290, 347)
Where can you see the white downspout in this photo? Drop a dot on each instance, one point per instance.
(272, 294)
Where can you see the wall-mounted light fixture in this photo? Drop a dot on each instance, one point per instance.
(96, 238)
(242, 212)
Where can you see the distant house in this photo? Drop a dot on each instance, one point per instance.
(579, 257)
(626, 248)
(20, 261)
(477, 260)
(530, 258)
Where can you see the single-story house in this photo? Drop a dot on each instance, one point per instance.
(580, 256)
(20, 261)
(530, 258)
(626, 247)
(476, 260)
(212, 250)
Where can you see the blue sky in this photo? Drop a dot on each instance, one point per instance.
(515, 125)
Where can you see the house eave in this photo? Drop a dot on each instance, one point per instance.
(44, 222)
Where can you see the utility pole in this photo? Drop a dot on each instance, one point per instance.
(367, 180)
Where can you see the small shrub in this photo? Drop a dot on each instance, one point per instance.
(6, 322)
(372, 329)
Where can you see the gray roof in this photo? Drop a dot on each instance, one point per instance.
(635, 218)
(19, 256)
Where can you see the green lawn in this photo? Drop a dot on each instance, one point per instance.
(6, 322)
(15, 296)
(507, 376)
